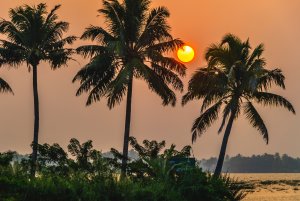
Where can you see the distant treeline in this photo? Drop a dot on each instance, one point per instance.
(266, 163)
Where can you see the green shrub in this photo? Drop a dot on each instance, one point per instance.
(91, 177)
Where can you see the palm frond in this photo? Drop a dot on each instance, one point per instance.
(4, 87)
(54, 32)
(116, 89)
(257, 52)
(166, 62)
(203, 82)
(205, 120)
(232, 106)
(97, 33)
(11, 31)
(167, 46)
(256, 120)
(212, 97)
(235, 45)
(218, 56)
(59, 57)
(136, 12)
(97, 91)
(257, 65)
(271, 77)
(95, 77)
(114, 14)
(11, 53)
(61, 43)
(156, 84)
(168, 76)
(156, 28)
(52, 16)
(270, 99)
(91, 50)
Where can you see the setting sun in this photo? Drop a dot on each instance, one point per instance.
(185, 54)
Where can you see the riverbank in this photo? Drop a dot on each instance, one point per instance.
(271, 186)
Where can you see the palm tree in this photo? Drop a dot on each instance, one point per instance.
(35, 35)
(235, 78)
(132, 46)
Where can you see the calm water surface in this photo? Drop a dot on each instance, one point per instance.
(272, 187)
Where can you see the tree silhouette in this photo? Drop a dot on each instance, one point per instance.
(234, 78)
(35, 35)
(132, 46)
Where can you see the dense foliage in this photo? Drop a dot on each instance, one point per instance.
(88, 175)
(266, 163)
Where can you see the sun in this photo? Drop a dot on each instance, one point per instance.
(185, 53)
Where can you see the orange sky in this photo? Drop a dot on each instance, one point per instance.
(276, 23)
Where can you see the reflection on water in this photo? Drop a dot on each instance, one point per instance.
(272, 187)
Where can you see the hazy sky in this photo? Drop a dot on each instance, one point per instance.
(276, 23)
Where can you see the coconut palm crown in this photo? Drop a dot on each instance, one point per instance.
(132, 45)
(234, 80)
(34, 35)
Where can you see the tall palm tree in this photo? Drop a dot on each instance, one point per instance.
(235, 78)
(35, 35)
(132, 46)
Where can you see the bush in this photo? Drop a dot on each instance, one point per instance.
(91, 177)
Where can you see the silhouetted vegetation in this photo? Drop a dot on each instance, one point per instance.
(88, 175)
(34, 35)
(234, 80)
(4, 86)
(266, 163)
(132, 46)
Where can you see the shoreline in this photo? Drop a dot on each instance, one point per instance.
(270, 186)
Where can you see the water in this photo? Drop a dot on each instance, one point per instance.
(272, 187)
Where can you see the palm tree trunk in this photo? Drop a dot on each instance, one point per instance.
(36, 121)
(219, 166)
(127, 128)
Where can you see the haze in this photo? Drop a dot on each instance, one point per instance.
(199, 23)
